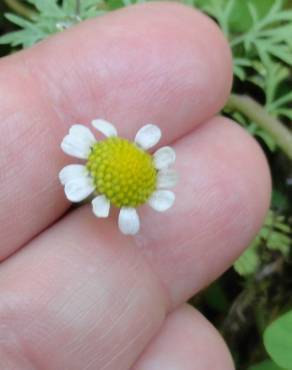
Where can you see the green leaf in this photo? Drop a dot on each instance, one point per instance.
(266, 365)
(287, 98)
(19, 21)
(278, 340)
(114, 4)
(285, 112)
(238, 64)
(248, 262)
(275, 235)
(48, 7)
(279, 242)
(25, 37)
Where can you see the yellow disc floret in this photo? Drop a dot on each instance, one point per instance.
(121, 171)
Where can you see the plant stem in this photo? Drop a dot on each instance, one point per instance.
(78, 6)
(20, 9)
(257, 113)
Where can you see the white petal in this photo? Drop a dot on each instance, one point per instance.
(82, 132)
(101, 206)
(161, 200)
(164, 157)
(105, 127)
(129, 222)
(74, 147)
(79, 189)
(72, 172)
(166, 179)
(148, 136)
(79, 142)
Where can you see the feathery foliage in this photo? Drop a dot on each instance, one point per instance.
(48, 17)
(260, 36)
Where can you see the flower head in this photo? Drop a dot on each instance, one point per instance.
(119, 172)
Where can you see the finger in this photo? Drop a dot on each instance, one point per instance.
(186, 341)
(177, 79)
(84, 283)
(221, 199)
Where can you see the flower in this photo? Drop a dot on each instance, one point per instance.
(118, 172)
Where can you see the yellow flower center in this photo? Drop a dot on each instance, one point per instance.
(121, 171)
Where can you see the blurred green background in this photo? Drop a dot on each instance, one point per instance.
(251, 304)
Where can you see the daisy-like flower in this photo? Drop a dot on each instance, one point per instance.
(119, 172)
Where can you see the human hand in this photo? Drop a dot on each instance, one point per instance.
(75, 293)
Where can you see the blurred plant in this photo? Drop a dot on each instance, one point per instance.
(277, 340)
(260, 35)
(265, 268)
(46, 17)
(275, 236)
(266, 365)
(261, 43)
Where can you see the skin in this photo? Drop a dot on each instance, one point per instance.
(75, 293)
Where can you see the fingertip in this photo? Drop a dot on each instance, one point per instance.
(195, 44)
(222, 198)
(254, 172)
(187, 341)
(159, 55)
(207, 337)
